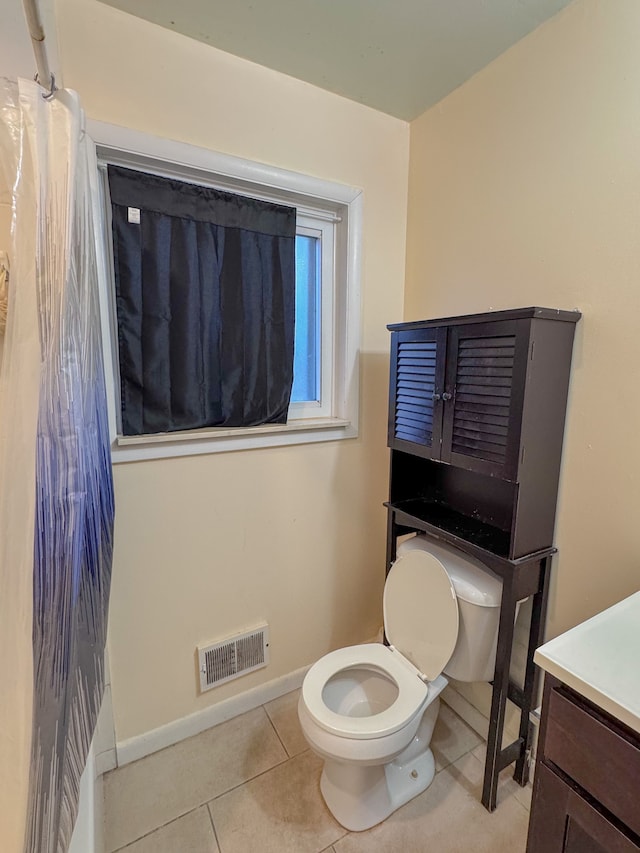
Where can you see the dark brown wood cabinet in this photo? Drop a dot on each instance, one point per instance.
(452, 391)
(587, 781)
(476, 420)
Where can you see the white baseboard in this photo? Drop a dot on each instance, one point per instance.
(104, 738)
(88, 833)
(106, 761)
(475, 707)
(474, 718)
(137, 747)
(466, 711)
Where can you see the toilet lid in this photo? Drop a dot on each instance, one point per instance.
(421, 612)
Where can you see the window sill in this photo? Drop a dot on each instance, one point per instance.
(213, 440)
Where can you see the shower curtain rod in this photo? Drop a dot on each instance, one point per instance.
(44, 76)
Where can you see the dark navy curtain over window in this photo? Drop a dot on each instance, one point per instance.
(205, 295)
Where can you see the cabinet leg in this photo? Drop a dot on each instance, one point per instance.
(392, 544)
(392, 535)
(499, 696)
(532, 673)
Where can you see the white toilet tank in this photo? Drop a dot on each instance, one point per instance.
(479, 592)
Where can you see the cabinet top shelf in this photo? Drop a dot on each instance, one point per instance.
(491, 316)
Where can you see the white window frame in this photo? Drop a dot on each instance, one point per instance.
(324, 230)
(331, 208)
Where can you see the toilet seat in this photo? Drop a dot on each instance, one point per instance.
(412, 691)
(421, 621)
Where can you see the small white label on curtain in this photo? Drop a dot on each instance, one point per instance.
(133, 214)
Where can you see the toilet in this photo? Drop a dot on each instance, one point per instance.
(369, 710)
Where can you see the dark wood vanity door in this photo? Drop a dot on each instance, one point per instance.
(563, 821)
(587, 781)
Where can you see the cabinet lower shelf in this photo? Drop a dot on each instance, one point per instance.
(458, 526)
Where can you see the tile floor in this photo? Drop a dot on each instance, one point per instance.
(251, 784)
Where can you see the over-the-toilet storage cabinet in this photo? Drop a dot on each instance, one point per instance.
(485, 395)
(476, 420)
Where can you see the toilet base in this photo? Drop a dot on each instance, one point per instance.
(360, 796)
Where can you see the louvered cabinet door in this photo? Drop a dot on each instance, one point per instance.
(486, 365)
(417, 379)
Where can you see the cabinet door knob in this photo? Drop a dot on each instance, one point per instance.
(435, 397)
(446, 396)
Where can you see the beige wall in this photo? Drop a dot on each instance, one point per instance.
(525, 190)
(208, 545)
(16, 56)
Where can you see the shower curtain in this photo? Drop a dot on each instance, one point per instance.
(56, 492)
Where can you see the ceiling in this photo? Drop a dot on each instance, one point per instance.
(397, 56)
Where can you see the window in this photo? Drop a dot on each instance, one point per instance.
(325, 383)
(306, 349)
(311, 396)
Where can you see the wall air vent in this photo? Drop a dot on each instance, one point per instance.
(233, 657)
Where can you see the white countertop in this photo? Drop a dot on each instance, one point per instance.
(600, 659)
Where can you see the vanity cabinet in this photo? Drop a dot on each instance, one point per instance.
(587, 782)
(476, 420)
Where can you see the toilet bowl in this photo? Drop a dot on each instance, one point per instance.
(369, 710)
